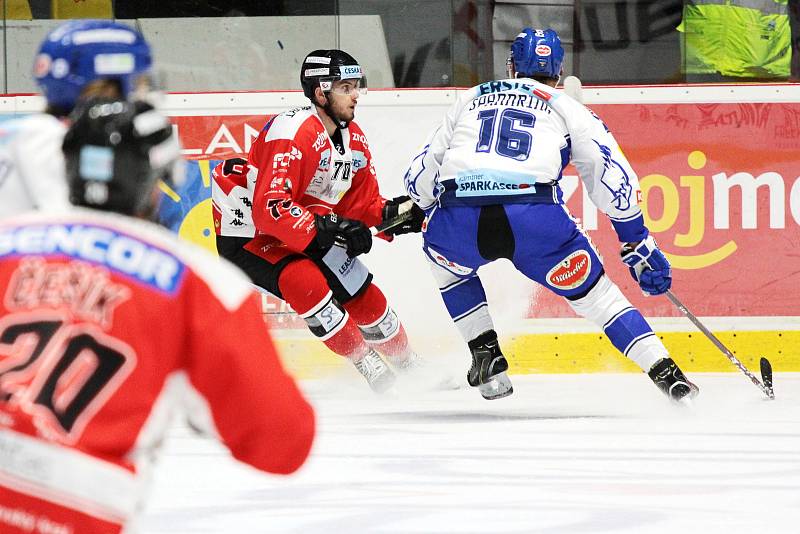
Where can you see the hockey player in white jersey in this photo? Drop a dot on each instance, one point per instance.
(488, 179)
(79, 59)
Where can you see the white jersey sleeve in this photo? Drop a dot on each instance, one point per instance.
(232, 200)
(422, 177)
(32, 171)
(610, 181)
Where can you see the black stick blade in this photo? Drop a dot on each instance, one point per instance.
(766, 376)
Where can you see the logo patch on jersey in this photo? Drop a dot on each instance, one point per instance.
(121, 253)
(543, 50)
(319, 142)
(571, 272)
(451, 266)
(480, 184)
(283, 159)
(360, 138)
(277, 207)
(296, 211)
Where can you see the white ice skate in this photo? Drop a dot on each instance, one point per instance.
(372, 367)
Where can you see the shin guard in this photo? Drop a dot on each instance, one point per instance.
(379, 324)
(306, 290)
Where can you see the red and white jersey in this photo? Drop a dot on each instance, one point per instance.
(32, 171)
(232, 199)
(301, 173)
(109, 324)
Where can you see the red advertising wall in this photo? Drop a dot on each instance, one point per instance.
(721, 194)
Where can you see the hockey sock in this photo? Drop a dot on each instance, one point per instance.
(626, 328)
(378, 323)
(304, 287)
(465, 300)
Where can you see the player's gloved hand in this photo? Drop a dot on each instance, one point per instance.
(648, 266)
(391, 210)
(332, 229)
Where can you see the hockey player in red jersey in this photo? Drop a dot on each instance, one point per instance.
(314, 196)
(109, 323)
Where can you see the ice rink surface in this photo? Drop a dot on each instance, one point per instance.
(564, 454)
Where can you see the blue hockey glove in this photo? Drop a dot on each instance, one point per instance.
(648, 266)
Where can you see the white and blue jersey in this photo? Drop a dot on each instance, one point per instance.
(508, 142)
(488, 179)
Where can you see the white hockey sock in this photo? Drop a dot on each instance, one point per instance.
(628, 331)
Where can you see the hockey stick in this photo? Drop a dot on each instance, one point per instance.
(574, 88)
(766, 367)
(403, 214)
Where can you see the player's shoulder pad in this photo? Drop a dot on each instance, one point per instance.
(34, 124)
(295, 124)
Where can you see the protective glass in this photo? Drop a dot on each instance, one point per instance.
(149, 87)
(350, 87)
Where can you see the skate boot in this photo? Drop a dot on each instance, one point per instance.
(669, 378)
(374, 369)
(489, 366)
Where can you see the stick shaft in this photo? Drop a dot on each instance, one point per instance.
(689, 315)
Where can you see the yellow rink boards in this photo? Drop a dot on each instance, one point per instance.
(584, 352)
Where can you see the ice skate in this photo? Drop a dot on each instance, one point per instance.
(372, 367)
(488, 371)
(669, 378)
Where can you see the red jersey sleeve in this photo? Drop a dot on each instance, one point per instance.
(284, 169)
(257, 408)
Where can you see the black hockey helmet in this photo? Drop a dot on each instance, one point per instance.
(116, 151)
(323, 67)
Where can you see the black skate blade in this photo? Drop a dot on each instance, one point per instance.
(766, 376)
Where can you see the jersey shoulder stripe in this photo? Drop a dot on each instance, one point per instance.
(138, 249)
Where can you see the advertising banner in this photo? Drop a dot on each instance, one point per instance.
(721, 194)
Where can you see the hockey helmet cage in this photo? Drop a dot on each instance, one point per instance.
(116, 151)
(323, 67)
(81, 51)
(536, 52)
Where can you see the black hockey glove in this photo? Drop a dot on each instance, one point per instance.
(332, 229)
(402, 206)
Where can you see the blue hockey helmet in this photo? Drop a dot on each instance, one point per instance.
(537, 53)
(81, 51)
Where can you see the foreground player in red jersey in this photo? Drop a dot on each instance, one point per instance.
(108, 323)
(296, 218)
